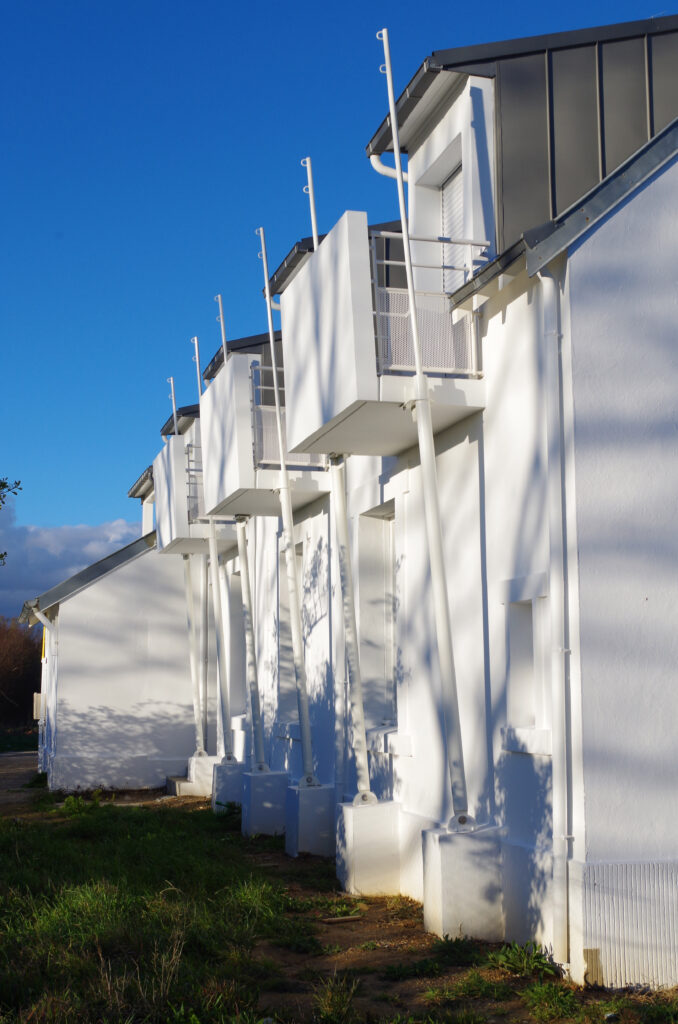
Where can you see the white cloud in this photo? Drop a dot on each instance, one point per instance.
(39, 557)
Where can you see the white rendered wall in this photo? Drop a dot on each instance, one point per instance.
(464, 134)
(226, 429)
(328, 331)
(169, 480)
(625, 380)
(124, 713)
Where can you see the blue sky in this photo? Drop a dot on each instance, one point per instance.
(143, 143)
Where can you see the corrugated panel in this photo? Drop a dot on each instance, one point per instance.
(524, 168)
(452, 208)
(624, 100)
(630, 923)
(575, 112)
(664, 51)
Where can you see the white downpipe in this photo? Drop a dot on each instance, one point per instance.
(250, 651)
(560, 640)
(380, 168)
(309, 778)
(196, 360)
(195, 687)
(422, 405)
(203, 636)
(222, 325)
(350, 631)
(170, 381)
(308, 189)
(222, 650)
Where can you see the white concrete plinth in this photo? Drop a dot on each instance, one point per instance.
(309, 821)
(462, 883)
(198, 779)
(368, 848)
(263, 803)
(226, 786)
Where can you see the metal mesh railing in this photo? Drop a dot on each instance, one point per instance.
(447, 339)
(446, 346)
(264, 429)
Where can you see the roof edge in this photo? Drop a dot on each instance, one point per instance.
(74, 584)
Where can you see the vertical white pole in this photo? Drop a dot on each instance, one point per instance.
(196, 360)
(220, 318)
(250, 651)
(222, 650)
(290, 554)
(170, 381)
(351, 632)
(308, 189)
(195, 687)
(422, 402)
(203, 657)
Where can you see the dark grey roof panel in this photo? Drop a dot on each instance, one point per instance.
(464, 55)
(255, 344)
(143, 486)
(85, 577)
(295, 258)
(185, 416)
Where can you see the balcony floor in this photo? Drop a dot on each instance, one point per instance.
(263, 499)
(387, 427)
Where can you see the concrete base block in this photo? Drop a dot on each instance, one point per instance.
(198, 780)
(309, 821)
(462, 883)
(226, 786)
(263, 803)
(368, 848)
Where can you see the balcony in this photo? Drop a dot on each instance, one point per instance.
(348, 347)
(241, 456)
(181, 525)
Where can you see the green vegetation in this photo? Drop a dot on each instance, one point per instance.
(115, 914)
(551, 1001)
(523, 961)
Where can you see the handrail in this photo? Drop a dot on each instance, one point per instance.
(438, 238)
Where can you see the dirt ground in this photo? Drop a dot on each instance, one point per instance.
(16, 771)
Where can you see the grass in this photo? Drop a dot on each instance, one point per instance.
(125, 915)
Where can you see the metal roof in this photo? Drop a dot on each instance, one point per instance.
(253, 343)
(62, 591)
(480, 60)
(185, 416)
(542, 244)
(143, 486)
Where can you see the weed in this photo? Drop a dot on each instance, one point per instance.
(660, 1011)
(333, 1000)
(400, 908)
(472, 986)
(370, 944)
(549, 1000)
(469, 1017)
(523, 961)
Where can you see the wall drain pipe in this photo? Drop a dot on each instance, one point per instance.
(250, 652)
(558, 601)
(193, 661)
(222, 650)
(204, 651)
(338, 490)
(308, 778)
(459, 818)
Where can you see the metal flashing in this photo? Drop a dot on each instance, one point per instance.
(547, 241)
(76, 583)
(143, 485)
(254, 343)
(185, 416)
